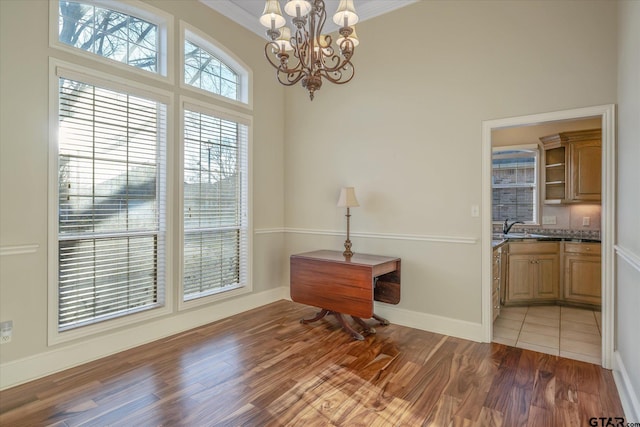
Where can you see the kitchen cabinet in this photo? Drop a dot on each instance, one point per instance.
(572, 167)
(582, 273)
(496, 288)
(533, 272)
(586, 170)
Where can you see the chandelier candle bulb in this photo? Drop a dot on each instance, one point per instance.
(284, 41)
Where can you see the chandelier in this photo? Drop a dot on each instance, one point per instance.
(309, 56)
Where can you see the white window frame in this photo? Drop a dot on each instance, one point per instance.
(192, 104)
(136, 8)
(245, 75)
(537, 208)
(57, 69)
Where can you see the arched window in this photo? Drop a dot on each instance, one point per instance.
(211, 68)
(131, 35)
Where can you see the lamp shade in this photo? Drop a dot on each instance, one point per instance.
(348, 198)
(272, 12)
(284, 41)
(295, 7)
(346, 14)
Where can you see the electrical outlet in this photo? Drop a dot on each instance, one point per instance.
(586, 221)
(6, 331)
(547, 220)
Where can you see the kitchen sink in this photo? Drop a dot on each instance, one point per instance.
(499, 236)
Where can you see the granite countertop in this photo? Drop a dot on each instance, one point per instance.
(519, 237)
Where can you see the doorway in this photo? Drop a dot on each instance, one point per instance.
(605, 115)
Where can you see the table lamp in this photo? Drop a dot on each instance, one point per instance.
(347, 200)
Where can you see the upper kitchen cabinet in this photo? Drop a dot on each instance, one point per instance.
(573, 167)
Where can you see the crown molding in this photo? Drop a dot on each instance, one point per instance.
(366, 9)
(236, 14)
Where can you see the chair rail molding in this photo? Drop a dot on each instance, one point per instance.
(632, 259)
(369, 235)
(18, 249)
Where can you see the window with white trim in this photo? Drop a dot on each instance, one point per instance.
(111, 202)
(109, 30)
(205, 71)
(211, 69)
(111, 225)
(515, 184)
(215, 210)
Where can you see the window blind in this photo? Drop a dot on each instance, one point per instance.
(111, 198)
(514, 185)
(215, 254)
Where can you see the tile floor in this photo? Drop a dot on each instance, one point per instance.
(562, 331)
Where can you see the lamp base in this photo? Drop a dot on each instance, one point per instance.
(347, 249)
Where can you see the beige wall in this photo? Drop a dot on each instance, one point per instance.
(628, 236)
(406, 132)
(23, 183)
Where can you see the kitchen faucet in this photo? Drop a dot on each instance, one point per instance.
(506, 227)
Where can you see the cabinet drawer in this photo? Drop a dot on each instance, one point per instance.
(533, 247)
(582, 248)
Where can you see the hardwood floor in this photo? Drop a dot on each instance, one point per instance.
(264, 368)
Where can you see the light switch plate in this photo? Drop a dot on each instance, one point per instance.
(475, 210)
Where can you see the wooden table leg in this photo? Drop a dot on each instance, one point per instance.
(381, 320)
(366, 328)
(347, 327)
(319, 316)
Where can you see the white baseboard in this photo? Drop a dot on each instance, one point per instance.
(427, 322)
(29, 368)
(628, 395)
(63, 357)
(431, 322)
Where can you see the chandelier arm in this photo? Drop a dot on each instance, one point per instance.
(274, 58)
(301, 48)
(335, 64)
(339, 74)
(321, 12)
(291, 78)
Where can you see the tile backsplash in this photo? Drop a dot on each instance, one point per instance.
(569, 220)
(560, 232)
(572, 216)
